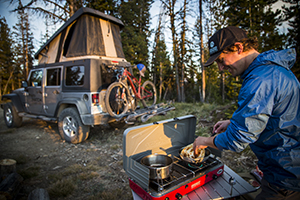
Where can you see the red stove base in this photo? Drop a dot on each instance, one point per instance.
(178, 192)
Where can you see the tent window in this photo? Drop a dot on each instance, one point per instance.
(117, 40)
(68, 39)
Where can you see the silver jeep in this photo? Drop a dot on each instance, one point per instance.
(69, 83)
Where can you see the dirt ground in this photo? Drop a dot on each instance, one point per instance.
(90, 170)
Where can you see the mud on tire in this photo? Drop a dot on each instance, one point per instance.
(70, 126)
(11, 117)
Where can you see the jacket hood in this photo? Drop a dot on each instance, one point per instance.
(284, 58)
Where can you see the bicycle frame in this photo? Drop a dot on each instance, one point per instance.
(133, 80)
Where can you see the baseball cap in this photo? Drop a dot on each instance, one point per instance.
(222, 39)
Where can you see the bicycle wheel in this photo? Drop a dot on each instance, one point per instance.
(148, 94)
(116, 100)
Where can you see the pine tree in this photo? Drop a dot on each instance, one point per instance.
(258, 18)
(162, 63)
(135, 35)
(24, 44)
(170, 11)
(182, 47)
(57, 11)
(215, 20)
(108, 7)
(292, 15)
(6, 57)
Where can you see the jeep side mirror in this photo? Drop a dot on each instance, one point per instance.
(24, 84)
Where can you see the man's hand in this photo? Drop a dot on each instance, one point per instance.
(201, 143)
(221, 126)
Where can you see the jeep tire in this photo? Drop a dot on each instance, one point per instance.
(11, 117)
(70, 126)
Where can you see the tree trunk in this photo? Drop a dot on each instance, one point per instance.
(182, 84)
(223, 86)
(166, 93)
(202, 54)
(170, 5)
(183, 51)
(6, 85)
(160, 81)
(177, 83)
(7, 166)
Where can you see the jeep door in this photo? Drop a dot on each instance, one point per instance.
(34, 98)
(52, 93)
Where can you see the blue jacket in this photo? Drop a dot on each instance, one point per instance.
(268, 118)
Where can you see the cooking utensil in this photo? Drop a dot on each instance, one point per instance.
(160, 165)
(191, 160)
(232, 182)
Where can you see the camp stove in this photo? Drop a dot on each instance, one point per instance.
(166, 137)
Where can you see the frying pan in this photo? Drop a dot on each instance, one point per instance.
(191, 160)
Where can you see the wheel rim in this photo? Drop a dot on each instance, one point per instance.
(69, 126)
(118, 101)
(9, 116)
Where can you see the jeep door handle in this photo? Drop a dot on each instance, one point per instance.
(55, 92)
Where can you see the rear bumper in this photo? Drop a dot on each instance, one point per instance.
(95, 119)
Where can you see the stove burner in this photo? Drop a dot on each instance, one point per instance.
(195, 166)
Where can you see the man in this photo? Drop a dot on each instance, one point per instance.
(268, 114)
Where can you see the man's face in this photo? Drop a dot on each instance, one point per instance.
(232, 62)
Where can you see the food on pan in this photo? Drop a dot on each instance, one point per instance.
(188, 152)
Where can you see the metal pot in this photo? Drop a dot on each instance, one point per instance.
(160, 165)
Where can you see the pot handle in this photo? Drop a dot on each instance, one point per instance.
(158, 175)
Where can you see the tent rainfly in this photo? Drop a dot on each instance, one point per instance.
(87, 34)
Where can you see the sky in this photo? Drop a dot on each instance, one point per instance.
(38, 26)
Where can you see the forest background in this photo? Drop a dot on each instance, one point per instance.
(182, 25)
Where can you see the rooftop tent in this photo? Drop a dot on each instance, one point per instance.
(88, 33)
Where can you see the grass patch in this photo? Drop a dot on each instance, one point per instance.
(199, 110)
(114, 147)
(75, 176)
(113, 194)
(29, 172)
(87, 175)
(73, 169)
(21, 159)
(62, 188)
(76, 170)
(11, 130)
(203, 131)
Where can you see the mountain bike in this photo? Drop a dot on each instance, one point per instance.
(125, 93)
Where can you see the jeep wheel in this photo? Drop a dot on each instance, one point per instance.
(11, 116)
(71, 128)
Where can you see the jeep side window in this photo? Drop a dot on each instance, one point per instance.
(53, 77)
(74, 75)
(36, 78)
